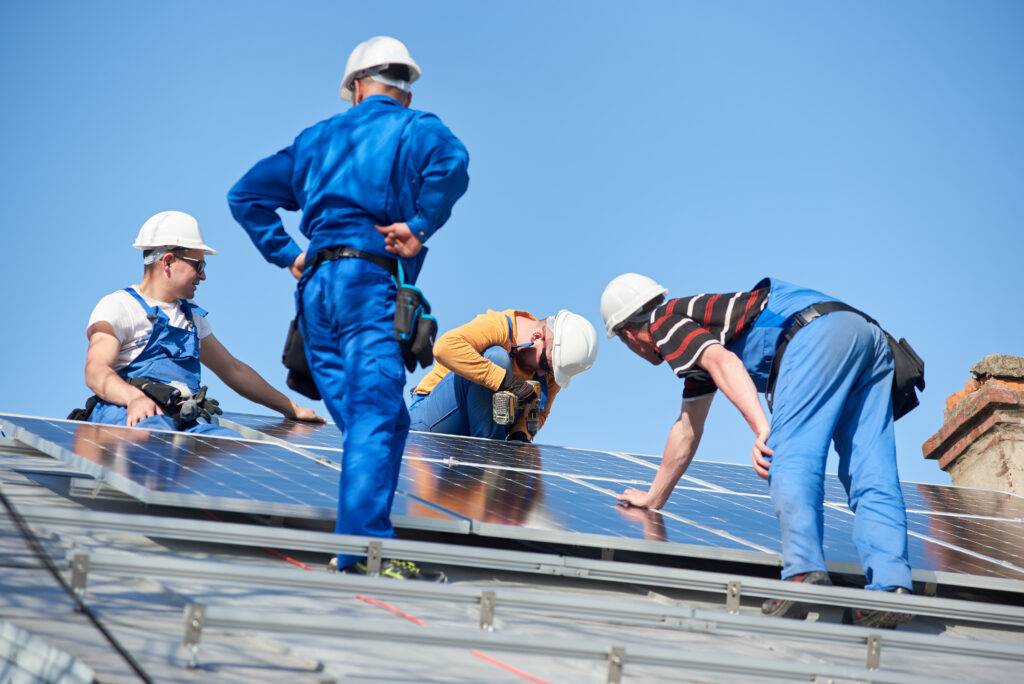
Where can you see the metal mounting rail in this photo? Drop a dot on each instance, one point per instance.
(494, 601)
(677, 657)
(520, 561)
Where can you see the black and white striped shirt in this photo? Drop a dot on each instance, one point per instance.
(683, 328)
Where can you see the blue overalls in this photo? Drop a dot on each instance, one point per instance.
(834, 384)
(376, 164)
(171, 354)
(457, 406)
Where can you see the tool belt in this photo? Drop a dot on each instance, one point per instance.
(415, 328)
(907, 379)
(185, 409)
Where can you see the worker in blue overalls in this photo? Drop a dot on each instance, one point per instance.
(373, 183)
(834, 383)
(147, 341)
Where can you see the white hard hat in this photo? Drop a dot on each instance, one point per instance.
(171, 229)
(625, 296)
(379, 51)
(574, 347)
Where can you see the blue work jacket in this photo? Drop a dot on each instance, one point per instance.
(376, 164)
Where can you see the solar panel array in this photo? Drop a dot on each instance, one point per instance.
(522, 491)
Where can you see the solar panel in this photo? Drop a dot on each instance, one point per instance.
(324, 439)
(531, 492)
(550, 507)
(717, 505)
(208, 472)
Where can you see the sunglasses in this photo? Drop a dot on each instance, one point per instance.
(198, 264)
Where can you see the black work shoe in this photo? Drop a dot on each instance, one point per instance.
(795, 610)
(394, 569)
(877, 619)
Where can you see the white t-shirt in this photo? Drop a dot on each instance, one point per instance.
(131, 324)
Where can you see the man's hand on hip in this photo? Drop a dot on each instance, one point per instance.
(399, 240)
(298, 266)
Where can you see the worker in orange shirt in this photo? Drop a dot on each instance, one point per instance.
(500, 350)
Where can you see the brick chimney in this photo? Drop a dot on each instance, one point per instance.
(981, 441)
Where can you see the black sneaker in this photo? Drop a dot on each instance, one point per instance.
(394, 569)
(877, 619)
(795, 610)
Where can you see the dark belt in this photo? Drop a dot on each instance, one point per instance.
(332, 253)
(795, 324)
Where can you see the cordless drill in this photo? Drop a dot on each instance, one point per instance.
(506, 408)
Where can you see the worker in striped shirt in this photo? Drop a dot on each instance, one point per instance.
(834, 384)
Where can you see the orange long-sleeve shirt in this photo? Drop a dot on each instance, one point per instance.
(461, 350)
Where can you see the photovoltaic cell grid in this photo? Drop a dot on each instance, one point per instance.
(326, 440)
(180, 469)
(552, 493)
(717, 505)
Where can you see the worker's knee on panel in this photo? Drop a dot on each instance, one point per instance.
(498, 356)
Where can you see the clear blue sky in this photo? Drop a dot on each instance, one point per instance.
(872, 150)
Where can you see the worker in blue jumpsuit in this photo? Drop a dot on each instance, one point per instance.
(834, 384)
(373, 184)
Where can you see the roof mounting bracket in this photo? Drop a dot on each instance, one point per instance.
(194, 617)
(607, 554)
(733, 592)
(373, 558)
(616, 659)
(487, 601)
(874, 658)
(79, 573)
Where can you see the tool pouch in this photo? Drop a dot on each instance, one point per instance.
(293, 357)
(908, 377)
(415, 328)
(84, 413)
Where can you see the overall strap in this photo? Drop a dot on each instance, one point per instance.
(793, 325)
(187, 308)
(151, 311)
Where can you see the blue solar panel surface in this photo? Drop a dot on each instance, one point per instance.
(195, 471)
(544, 492)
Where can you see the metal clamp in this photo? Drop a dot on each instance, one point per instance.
(616, 660)
(79, 573)
(374, 551)
(487, 601)
(195, 615)
(874, 659)
(733, 592)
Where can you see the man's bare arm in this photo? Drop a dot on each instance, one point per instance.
(102, 379)
(247, 382)
(681, 445)
(732, 378)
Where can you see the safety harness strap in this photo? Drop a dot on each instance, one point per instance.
(794, 324)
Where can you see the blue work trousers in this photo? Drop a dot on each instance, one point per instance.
(112, 414)
(457, 406)
(348, 322)
(835, 384)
